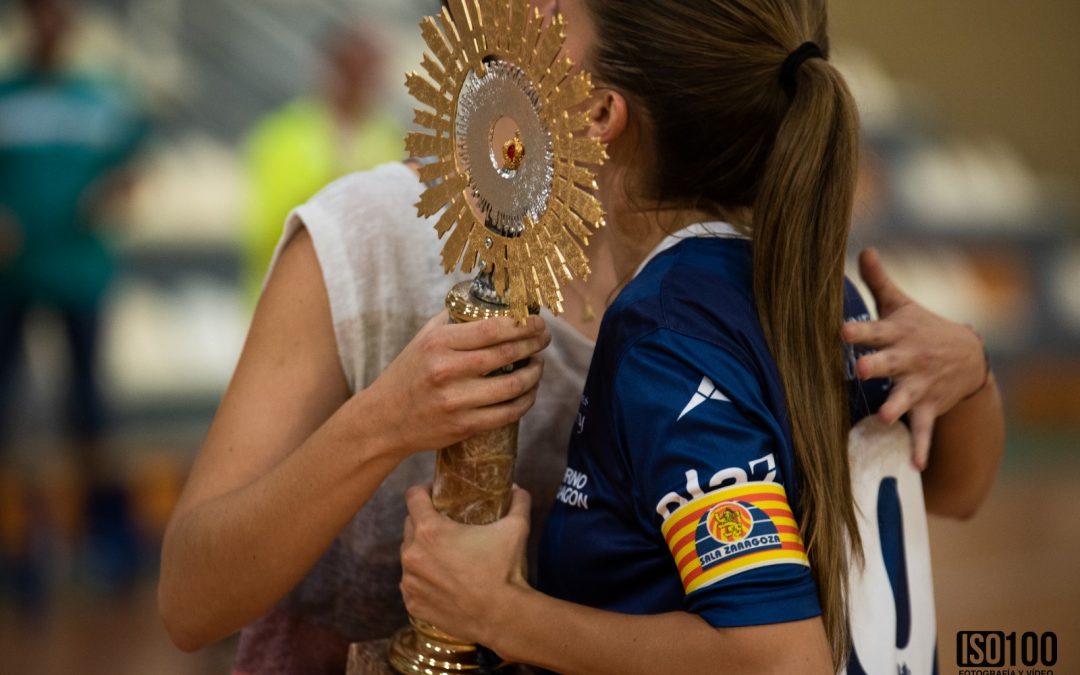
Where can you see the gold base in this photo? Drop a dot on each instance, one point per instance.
(423, 649)
(370, 658)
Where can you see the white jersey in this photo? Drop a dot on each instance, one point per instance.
(891, 600)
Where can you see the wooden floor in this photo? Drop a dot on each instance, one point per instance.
(1014, 567)
(118, 636)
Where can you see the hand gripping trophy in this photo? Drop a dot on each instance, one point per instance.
(518, 212)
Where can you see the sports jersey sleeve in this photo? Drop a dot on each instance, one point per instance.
(865, 397)
(710, 465)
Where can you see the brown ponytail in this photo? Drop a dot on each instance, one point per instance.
(800, 221)
(705, 78)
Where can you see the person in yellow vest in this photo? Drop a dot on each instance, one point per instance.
(312, 140)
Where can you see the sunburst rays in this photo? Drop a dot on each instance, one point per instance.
(527, 269)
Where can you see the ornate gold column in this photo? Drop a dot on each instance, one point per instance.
(519, 209)
(473, 481)
(473, 478)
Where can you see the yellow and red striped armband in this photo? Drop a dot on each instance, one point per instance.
(732, 530)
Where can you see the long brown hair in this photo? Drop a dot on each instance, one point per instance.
(704, 79)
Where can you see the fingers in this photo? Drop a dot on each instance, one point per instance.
(494, 358)
(483, 347)
(481, 334)
(499, 415)
(435, 322)
(514, 385)
(872, 271)
(418, 503)
(520, 503)
(922, 431)
(886, 294)
(899, 402)
(877, 334)
(878, 365)
(483, 392)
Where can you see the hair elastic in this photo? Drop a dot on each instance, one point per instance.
(807, 50)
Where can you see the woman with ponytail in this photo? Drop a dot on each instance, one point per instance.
(706, 521)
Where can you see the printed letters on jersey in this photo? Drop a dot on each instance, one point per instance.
(731, 530)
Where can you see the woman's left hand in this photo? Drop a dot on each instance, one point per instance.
(453, 574)
(934, 363)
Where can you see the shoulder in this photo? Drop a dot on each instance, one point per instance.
(389, 191)
(379, 262)
(666, 375)
(371, 216)
(364, 227)
(691, 418)
(697, 292)
(294, 311)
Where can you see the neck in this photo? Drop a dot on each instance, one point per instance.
(634, 225)
(636, 231)
(584, 301)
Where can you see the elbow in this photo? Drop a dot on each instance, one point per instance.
(960, 512)
(955, 506)
(186, 620)
(960, 495)
(177, 623)
(965, 513)
(178, 614)
(184, 641)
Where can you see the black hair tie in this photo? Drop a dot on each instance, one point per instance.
(807, 50)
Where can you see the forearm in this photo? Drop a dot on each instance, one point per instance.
(967, 449)
(227, 560)
(540, 630)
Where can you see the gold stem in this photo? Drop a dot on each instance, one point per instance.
(473, 482)
(473, 478)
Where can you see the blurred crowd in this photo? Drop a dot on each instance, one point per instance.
(139, 210)
(76, 158)
(65, 141)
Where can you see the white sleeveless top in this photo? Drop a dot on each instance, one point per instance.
(383, 275)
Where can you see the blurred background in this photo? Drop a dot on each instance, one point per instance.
(200, 123)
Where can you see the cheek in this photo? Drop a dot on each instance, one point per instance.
(576, 48)
(546, 9)
(578, 33)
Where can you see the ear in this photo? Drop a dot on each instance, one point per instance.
(608, 115)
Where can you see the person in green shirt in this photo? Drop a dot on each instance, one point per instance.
(297, 149)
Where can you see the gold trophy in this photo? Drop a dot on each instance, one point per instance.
(518, 211)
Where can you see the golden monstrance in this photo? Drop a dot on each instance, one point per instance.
(516, 210)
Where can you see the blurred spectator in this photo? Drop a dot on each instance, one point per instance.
(295, 151)
(63, 140)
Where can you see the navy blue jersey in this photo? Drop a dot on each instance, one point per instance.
(679, 492)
